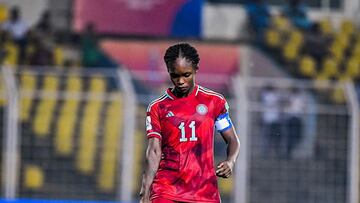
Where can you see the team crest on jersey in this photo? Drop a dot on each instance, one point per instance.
(201, 109)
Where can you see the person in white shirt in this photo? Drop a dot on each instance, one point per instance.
(17, 29)
(294, 124)
(271, 121)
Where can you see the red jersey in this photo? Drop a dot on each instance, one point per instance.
(185, 127)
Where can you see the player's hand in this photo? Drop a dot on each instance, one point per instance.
(224, 169)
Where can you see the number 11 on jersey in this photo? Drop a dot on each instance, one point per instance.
(183, 134)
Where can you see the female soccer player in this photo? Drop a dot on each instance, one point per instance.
(180, 131)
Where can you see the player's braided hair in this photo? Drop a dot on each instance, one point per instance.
(181, 50)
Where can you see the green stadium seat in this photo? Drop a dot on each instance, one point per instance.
(110, 147)
(46, 107)
(67, 119)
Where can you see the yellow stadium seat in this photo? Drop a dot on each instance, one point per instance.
(85, 158)
(28, 85)
(67, 119)
(329, 67)
(307, 66)
(353, 68)
(97, 84)
(296, 38)
(290, 52)
(342, 39)
(45, 109)
(2, 92)
(272, 38)
(347, 26)
(33, 177)
(338, 96)
(106, 179)
(4, 13)
(11, 57)
(337, 52)
(59, 56)
(281, 23)
(326, 26)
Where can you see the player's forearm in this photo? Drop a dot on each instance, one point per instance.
(233, 149)
(153, 157)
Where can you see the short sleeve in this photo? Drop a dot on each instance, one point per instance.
(222, 108)
(153, 127)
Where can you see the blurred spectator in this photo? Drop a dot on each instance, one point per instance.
(297, 14)
(43, 26)
(293, 123)
(259, 17)
(41, 55)
(92, 55)
(18, 30)
(90, 50)
(316, 43)
(271, 126)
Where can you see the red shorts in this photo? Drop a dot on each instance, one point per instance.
(162, 200)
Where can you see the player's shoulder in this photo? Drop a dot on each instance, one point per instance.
(203, 91)
(157, 101)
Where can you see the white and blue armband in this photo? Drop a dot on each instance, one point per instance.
(223, 122)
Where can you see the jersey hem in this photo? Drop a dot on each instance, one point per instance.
(170, 197)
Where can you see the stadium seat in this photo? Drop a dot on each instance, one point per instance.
(337, 51)
(33, 177)
(296, 38)
(45, 109)
(11, 57)
(2, 92)
(353, 68)
(272, 38)
(307, 66)
(59, 56)
(326, 26)
(89, 127)
(28, 85)
(290, 52)
(329, 67)
(347, 27)
(342, 39)
(65, 126)
(110, 147)
(4, 13)
(281, 23)
(338, 96)
(139, 150)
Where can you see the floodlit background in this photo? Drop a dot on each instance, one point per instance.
(77, 76)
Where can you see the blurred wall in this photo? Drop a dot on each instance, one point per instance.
(31, 9)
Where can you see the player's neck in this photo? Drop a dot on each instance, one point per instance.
(179, 94)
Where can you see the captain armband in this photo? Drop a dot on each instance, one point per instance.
(223, 122)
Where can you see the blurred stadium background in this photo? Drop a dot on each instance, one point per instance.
(77, 75)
